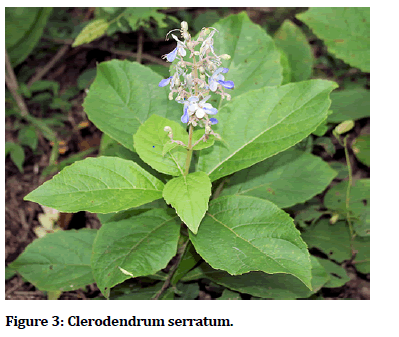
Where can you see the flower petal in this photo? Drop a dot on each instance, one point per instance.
(227, 84)
(213, 120)
(184, 119)
(213, 85)
(172, 55)
(200, 113)
(211, 111)
(164, 82)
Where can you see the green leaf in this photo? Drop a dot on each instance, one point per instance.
(130, 291)
(197, 134)
(123, 96)
(189, 196)
(229, 295)
(150, 141)
(188, 261)
(255, 60)
(345, 31)
(111, 148)
(334, 240)
(23, 29)
(286, 179)
(359, 203)
(361, 149)
(92, 31)
(338, 275)
(285, 63)
(241, 234)
(263, 122)
(17, 154)
(98, 185)
(141, 16)
(58, 261)
(294, 43)
(27, 136)
(277, 286)
(141, 245)
(327, 144)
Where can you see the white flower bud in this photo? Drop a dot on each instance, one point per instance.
(202, 70)
(186, 36)
(170, 96)
(184, 25)
(200, 113)
(167, 129)
(225, 57)
(196, 53)
(228, 97)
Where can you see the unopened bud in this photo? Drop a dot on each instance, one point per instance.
(202, 70)
(334, 218)
(228, 97)
(170, 96)
(167, 129)
(225, 57)
(202, 77)
(186, 35)
(344, 127)
(184, 25)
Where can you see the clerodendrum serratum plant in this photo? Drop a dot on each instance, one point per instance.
(240, 230)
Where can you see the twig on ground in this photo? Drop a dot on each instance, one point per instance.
(43, 71)
(126, 53)
(12, 85)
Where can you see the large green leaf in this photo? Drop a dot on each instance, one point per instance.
(151, 139)
(263, 122)
(255, 60)
(123, 96)
(58, 261)
(349, 104)
(294, 43)
(241, 234)
(98, 185)
(359, 203)
(278, 286)
(361, 149)
(23, 29)
(137, 246)
(334, 240)
(189, 196)
(338, 275)
(345, 31)
(286, 179)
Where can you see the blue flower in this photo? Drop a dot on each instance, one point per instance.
(171, 56)
(213, 120)
(165, 82)
(184, 119)
(218, 78)
(180, 48)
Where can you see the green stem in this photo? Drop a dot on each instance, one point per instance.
(189, 150)
(172, 271)
(348, 192)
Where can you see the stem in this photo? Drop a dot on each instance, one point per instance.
(348, 192)
(12, 85)
(140, 45)
(189, 150)
(172, 271)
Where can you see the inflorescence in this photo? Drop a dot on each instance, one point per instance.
(192, 90)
